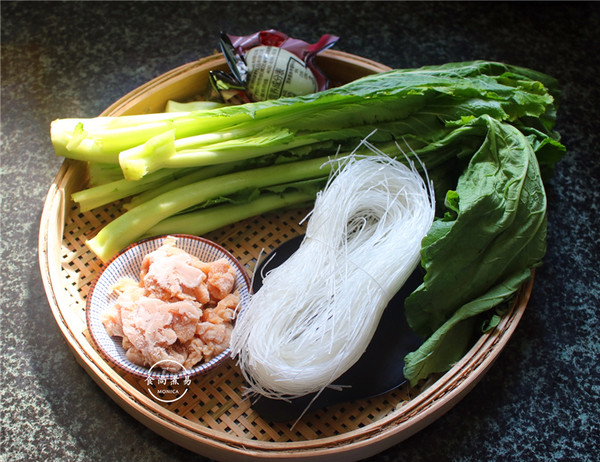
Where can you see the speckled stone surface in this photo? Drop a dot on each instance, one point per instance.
(538, 402)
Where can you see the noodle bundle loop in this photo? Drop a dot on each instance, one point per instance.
(316, 313)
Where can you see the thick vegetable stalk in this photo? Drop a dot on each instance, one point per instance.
(160, 152)
(106, 193)
(188, 176)
(100, 139)
(136, 222)
(140, 161)
(208, 219)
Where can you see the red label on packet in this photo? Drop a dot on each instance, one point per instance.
(269, 65)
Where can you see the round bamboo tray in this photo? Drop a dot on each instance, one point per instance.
(215, 419)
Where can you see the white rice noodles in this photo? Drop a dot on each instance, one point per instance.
(315, 314)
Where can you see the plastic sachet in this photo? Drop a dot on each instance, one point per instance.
(268, 65)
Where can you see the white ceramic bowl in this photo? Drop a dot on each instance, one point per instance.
(127, 263)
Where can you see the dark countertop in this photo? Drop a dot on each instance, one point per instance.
(540, 399)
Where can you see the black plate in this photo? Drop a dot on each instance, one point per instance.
(379, 370)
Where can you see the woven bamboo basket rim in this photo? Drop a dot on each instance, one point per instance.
(363, 428)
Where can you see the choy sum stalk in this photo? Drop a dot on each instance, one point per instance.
(211, 218)
(130, 226)
(445, 92)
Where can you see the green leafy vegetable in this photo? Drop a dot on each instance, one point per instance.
(480, 252)
(413, 102)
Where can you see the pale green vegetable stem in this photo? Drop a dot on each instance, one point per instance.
(206, 220)
(134, 223)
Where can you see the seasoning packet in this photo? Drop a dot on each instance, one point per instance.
(268, 65)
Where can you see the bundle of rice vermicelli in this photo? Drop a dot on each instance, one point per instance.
(315, 314)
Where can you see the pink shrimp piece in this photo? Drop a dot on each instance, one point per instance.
(224, 311)
(153, 326)
(170, 273)
(216, 338)
(221, 279)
